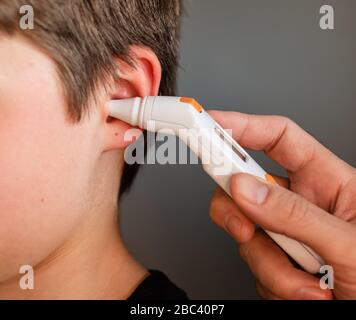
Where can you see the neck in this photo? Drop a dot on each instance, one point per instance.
(93, 264)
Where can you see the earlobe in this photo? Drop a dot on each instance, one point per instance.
(141, 79)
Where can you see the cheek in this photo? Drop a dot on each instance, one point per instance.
(44, 175)
(44, 166)
(43, 181)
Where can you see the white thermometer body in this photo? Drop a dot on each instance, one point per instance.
(185, 118)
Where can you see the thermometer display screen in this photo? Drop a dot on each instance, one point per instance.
(232, 143)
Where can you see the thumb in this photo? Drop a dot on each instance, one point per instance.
(279, 210)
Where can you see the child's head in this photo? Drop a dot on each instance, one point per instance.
(61, 157)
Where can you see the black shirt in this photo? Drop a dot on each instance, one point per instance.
(157, 286)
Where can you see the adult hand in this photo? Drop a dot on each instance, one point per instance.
(316, 205)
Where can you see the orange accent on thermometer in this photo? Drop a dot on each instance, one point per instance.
(194, 103)
(270, 178)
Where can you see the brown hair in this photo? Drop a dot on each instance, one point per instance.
(83, 37)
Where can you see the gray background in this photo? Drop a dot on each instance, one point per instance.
(254, 56)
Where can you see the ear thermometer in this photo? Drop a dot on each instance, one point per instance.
(176, 113)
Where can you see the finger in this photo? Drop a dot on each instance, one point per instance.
(264, 293)
(282, 181)
(225, 213)
(274, 271)
(282, 211)
(283, 140)
(291, 147)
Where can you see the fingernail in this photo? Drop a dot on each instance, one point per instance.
(311, 293)
(252, 189)
(232, 225)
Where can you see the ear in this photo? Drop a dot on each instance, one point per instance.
(141, 79)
